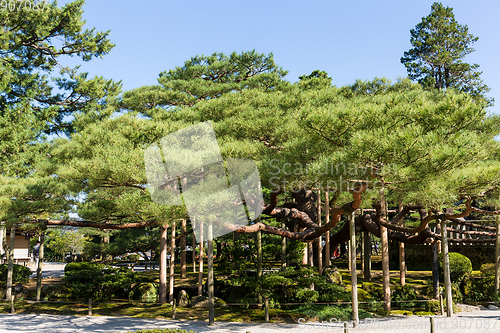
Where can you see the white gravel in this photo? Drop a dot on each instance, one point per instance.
(487, 320)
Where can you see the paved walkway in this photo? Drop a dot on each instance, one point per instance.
(484, 321)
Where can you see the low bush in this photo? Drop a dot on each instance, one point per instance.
(328, 312)
(405, 297)
(99, 282)
(83, 266)
(20, 274)
(460, 267)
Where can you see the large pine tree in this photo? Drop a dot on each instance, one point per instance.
(440, 44)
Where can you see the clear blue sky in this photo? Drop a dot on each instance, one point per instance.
(348, 39)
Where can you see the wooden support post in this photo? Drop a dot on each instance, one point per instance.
(402, 262)
(163, 265)
(194, 248)
(354, 277)
(320, 238)
(12, 307)
(210, 263)
(90, 306)
(432, 325)
(435, 267)
(497, 257)
(310, 258)
(385, 253)
(10, 266)
(283, 249)
(441, 306)
(183, 249)
(174, 310)
(259, 260)
(172, 264)
(367, 240)
(200, 263)
(446, 268)
(266, 310)
(328, 253)
(40, 265)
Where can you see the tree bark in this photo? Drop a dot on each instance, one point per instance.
(435, 269)
(163, 265)
(354, 277)
(446, 268)
(172, 264)
(385, 253)
(402, 263)
(183, 250)
(194, 249)
(327, 234)
(367, 272)
(39, 268)
(10, 267)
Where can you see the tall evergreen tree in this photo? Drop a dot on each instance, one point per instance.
(440, 44)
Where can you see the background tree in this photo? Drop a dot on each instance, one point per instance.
(440, 44)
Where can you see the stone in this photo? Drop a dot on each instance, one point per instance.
(332, 275)
(183, 298)
(202, 302)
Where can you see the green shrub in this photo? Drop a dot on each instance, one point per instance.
(83, 266)
(19, 274)
(487, 269)
(405, 297)
(146, 292)
(460, 266)
(433, 306)
(98, 281)
(327, 312)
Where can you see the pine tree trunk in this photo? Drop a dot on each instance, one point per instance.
(283, 249)
(320, 238)
(367, 272)
(328, 253)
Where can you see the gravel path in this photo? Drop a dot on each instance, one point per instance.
(466, 322)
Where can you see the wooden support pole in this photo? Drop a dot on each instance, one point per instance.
(259, 260)
(174, 310)
(367, 240)
(328, 253)
(183, 249)
(435, 268)
(354, 278)
(385, 253)
(283, 249)
(446, 268)
(163, 265)
(39, 268)
(90, 306)
(210, 263)
(172, 264)
(200, 263)
(10, 266)
(320, 238)
(266, 310)
(402, 262)
(12, 307)
(497, 257)
(432, 325)
(194, 248)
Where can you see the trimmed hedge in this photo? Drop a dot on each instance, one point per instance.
(20, 274)
(460, 266)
